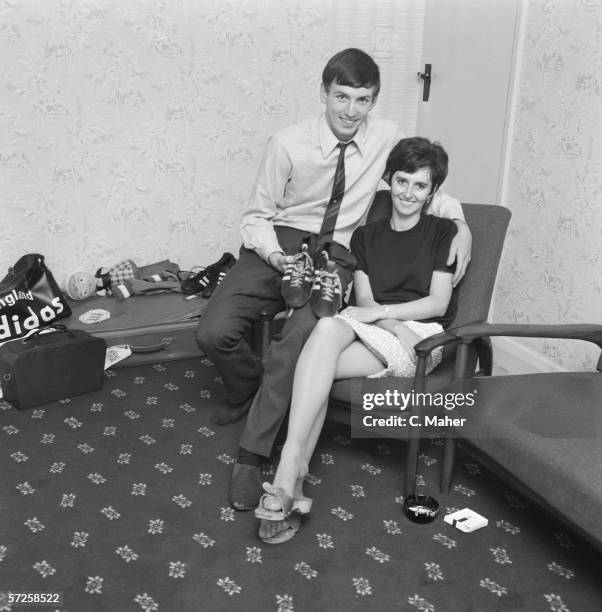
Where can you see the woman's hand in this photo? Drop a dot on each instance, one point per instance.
(363, 314)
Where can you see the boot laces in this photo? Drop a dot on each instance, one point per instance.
(329, 282)
(298, 268)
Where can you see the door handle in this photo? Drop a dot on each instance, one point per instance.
(426, 77)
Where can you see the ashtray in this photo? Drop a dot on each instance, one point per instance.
(421, 508)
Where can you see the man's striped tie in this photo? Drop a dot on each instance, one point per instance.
(336, 197)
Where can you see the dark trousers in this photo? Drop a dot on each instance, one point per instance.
(251, 286)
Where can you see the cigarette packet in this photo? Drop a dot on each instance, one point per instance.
(466, 520)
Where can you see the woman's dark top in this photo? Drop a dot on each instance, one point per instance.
(400, 264)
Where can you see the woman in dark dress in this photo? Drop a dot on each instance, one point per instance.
(403, 293)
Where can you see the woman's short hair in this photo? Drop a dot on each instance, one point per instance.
(352, 68)
(413, 154)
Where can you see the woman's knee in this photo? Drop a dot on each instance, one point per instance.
(326, 325)
(333, 330)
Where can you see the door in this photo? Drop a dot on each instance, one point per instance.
(471, 45)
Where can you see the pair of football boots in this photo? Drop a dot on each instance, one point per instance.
(319, 284)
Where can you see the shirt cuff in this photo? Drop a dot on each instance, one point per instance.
(265, 250)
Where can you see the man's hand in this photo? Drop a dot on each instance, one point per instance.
(363, 314)
(459, 251)
(279, 260)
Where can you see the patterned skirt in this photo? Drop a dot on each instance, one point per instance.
(386, 346)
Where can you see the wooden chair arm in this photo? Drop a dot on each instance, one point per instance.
(585, 331)
(588, 332)
(425, 347)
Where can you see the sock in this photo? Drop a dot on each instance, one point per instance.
(248, 458)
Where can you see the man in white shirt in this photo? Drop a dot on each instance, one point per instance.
(286, 208)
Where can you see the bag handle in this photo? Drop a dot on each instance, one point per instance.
(23, 267)
(153, 348)
(57, 327)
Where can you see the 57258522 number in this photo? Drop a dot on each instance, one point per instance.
(31, 598)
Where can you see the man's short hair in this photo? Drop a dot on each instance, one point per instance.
(413, 154)
(352, 68)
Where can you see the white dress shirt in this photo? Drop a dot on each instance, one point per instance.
(296, 174)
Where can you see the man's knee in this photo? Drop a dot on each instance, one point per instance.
(212, 334)
(205, 336)
(299, 326)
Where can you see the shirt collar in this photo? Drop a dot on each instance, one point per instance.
(328, 141)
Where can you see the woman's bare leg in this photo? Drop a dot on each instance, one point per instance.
(330, 352)
(314, 374)
(356, 360)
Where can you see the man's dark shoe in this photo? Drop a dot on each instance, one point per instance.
(326, 292)
(297, 279)
(207, 279)
(245, 487)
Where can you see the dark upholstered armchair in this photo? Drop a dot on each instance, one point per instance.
(541, 431)
(488, 225)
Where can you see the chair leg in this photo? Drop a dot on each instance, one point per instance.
(449, 454)
(412, 465)
(414, 441)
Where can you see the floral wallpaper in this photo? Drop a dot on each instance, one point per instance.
(134, 128)
(552, 266)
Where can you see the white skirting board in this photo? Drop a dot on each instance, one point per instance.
(515, 358)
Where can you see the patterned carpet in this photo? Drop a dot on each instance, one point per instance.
(118, 499)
